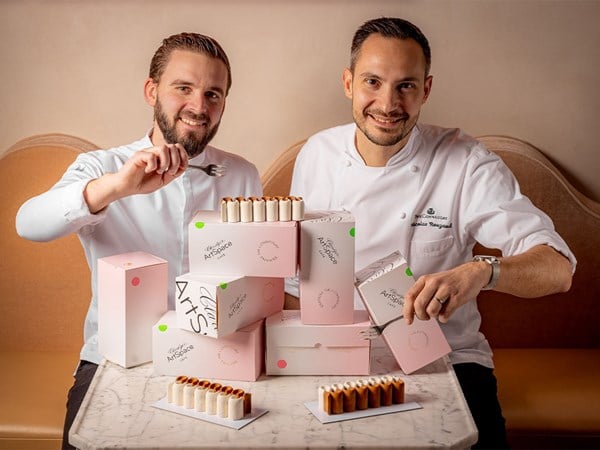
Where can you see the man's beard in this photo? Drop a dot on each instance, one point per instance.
(192, 144)
(385, 139)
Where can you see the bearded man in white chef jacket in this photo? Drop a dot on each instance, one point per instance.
(431, 193)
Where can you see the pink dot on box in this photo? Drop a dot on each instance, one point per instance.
(282, 364)
(135, 281)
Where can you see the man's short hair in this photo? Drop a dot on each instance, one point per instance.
(390, 27)
(193, 42)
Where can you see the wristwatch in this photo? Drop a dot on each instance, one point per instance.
(495, 263)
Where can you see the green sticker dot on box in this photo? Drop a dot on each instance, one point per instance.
(408, 272)
(199, 225)
(162, 327)
(223, 285)
(352, 232)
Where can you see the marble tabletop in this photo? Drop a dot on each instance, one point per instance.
(117, 412)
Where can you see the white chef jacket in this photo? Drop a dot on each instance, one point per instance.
(155, 223)
(432, 201)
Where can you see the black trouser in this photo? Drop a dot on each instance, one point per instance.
(479, 387)
(83, 378)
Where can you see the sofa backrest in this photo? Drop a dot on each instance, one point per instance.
(44, 287)
(561, 320)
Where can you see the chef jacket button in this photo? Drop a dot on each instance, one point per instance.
(348, 163)
(403, 215)
(414, 169)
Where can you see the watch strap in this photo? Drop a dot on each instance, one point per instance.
(495, 264)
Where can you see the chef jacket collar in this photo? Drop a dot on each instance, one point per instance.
(400, 158)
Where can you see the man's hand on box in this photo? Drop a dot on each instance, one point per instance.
(441, 294)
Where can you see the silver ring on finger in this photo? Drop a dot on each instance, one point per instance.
(440, 300)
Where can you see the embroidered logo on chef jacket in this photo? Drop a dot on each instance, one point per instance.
(431, 219)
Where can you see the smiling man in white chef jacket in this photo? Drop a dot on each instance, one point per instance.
(431, 193)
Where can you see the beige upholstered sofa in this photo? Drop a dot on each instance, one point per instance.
(44, 295)
(546, 350)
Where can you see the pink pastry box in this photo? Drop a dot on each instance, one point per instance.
(132, 296)
(238, 356)
(218, 305)
(326, 277)
(382, 286)
(294, 348)
(260, 249)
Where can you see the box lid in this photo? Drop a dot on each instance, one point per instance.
(169, 320)
(286, 330)
(322, 216)
(203, 218)
(133, 260)
(382, 266)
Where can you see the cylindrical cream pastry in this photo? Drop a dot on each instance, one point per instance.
(321, 396)
(397, 389)
(337, 401)
(200, 398)
(374, 394)
(224, 201)
(285, 209)
(235, 407)
(178, 389)
(211, 401)
(245, 209)
(258, 209)
(387, 392)
(222, 404)
(362, 395)
(272, 207)
(233, 210)
(349, 390)
(297, 208)
(188, 392)
(247, 399)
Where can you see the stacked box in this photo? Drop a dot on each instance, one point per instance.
(218, 305)
(294, 348)
(235, 281)
(239, 356)
(260, 249)
(132, 296)
(382, 286)
(326, 276)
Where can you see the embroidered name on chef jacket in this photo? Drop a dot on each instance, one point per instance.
(431, 218)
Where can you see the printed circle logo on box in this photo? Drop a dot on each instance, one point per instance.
(418, 340)
(228, 355)
(328, 298)
(268, 251)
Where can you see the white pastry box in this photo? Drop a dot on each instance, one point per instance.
(294, 348)
(326, 276)
(215, 305)
(260, 249)
(382, 286)
(132, 296)
(238, 356)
